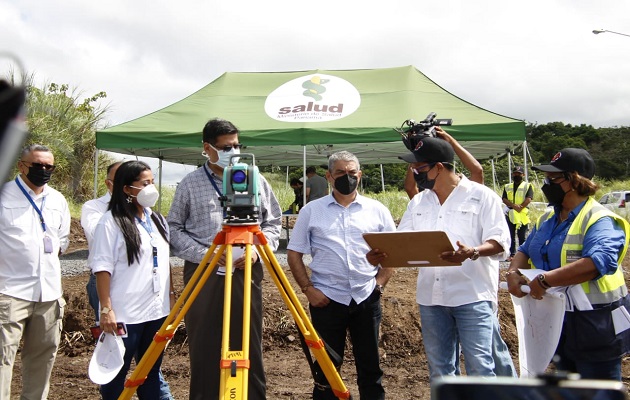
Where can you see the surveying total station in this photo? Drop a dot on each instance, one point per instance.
(241, 203)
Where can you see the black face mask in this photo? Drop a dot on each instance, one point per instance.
(346, 184)
(38, 176)
(517, 178)
(423, 181)
(554, 193)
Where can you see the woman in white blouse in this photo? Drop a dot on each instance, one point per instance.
(130, 259)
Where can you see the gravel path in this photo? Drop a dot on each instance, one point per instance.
(75, 263)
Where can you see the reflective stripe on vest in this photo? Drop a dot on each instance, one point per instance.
(607, 288)
(517, 218)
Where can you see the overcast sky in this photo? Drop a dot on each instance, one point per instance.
(537, 60)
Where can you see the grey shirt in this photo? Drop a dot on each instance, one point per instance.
(318, 186)
(196, 215)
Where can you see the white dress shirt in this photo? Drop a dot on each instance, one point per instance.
(134, 299)
(333, 235)
(472, 214)
(27, 272)
(91, 213)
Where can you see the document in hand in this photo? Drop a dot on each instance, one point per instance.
(411, 249)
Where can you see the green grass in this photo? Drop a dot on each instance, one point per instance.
(395, 200)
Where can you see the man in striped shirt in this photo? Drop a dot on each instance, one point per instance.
(195, 218)
(344, 288)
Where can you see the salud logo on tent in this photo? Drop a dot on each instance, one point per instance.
(313, 98)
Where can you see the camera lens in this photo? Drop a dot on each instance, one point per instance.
(239, 176)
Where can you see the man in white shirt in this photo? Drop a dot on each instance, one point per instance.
(345, 287)
(34, 230)
(91, 213)
(456, 302)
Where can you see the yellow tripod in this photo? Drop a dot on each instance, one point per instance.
(235, 362)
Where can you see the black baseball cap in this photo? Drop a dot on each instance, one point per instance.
(570, 159)
(430, 150)
(519, 169)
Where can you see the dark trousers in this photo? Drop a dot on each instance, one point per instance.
(521, 232)
(139, 338)
(204, 322)
(363, 321)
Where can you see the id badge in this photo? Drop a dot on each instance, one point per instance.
(156, 282)
(48, 245)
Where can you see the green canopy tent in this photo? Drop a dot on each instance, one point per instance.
(284, 116)
(291, 118)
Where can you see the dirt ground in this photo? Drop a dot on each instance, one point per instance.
(288, 375)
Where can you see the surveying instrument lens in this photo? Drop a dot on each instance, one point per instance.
(239, 176)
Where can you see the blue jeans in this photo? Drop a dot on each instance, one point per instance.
(363, 321)
(503, 364)
(472, 324)
(93, 296)
(140, 336)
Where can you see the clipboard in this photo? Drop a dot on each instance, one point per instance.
(411, 249)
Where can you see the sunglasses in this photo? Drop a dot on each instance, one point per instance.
(228, 148)
(424, 168)
(36, 165)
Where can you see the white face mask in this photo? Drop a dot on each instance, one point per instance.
(148, 196)
(224, 156)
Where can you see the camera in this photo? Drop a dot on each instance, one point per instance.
(412, 131)
(241, 199)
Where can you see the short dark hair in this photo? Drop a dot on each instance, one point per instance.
(295, 182)
(112, 165)
(311, 170)
(217, 127)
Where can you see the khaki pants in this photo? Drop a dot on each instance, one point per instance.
(39, 325)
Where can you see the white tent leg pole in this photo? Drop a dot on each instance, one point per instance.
(494, 176)
(304, 175)
(509, 157)
(382, 179)
(287, 179)
(525, 160)
(160, 184)
(95, 174)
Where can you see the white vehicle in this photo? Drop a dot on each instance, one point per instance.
(618, 202)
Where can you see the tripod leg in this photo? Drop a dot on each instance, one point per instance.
(303, 322)
(168, 328)
(235, 363)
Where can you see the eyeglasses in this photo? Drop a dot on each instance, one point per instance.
(36, 165)
(228, 148)
(424, 168)
(554, 179)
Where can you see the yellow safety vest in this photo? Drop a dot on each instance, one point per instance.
(518, 218)
(607, 288)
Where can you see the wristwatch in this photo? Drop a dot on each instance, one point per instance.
(380, 288)
(105, 310)
(475, 254)
(543, 282)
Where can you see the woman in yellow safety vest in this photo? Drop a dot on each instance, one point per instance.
(580, 243)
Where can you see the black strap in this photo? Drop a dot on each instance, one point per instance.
(320, 380)
(160, 222)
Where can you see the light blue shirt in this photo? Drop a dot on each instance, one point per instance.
(333, 235)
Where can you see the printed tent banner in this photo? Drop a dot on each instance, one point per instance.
(285, 117)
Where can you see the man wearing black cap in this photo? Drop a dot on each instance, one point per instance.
(456, 303)
(516, 196)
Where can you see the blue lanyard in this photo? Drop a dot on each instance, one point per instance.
(212, 181)
(149, 228)
(214, 184)
(41, 216)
